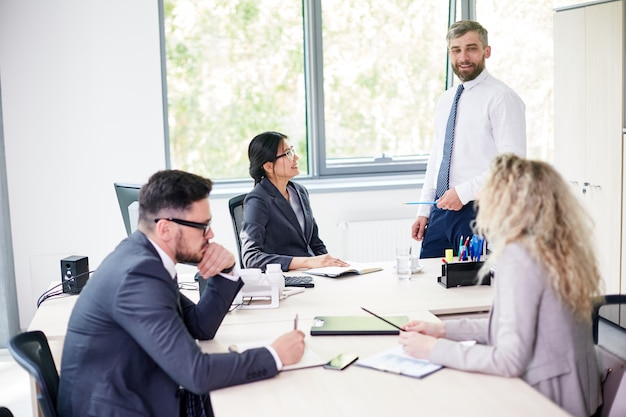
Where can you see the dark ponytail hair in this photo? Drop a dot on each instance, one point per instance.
(262, 149)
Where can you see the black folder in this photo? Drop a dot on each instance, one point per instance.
(355, 325)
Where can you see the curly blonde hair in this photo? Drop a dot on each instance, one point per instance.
(528, 202)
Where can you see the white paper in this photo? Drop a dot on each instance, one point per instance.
(396, 361)
(336, 271)
(309, 359)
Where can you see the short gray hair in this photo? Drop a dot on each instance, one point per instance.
(461, 27)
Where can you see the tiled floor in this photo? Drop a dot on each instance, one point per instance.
(15, 384)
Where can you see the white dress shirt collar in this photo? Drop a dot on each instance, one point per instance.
(168, 263)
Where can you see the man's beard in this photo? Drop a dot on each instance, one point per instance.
(185, 255)
(478, 68)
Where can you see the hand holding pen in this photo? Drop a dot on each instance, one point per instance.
(290, 346)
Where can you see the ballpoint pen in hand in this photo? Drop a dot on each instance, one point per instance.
(295, 323)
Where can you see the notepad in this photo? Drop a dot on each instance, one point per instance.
(356, 325)
(310, 359)
(396, 361)
(339, 271)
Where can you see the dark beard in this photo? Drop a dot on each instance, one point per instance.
(184, 255)
(472, 75)
(187, 258)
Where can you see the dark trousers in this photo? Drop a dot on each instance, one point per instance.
(445, 229)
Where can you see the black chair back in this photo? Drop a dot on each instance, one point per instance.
(5, 412)
(610, 299)
(235, 206)
(31, 351)
(611, 358)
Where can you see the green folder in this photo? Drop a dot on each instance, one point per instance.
(355, 325)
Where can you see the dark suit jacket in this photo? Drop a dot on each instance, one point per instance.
(271, 232)
(131, 340)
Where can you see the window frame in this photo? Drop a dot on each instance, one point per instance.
(319, 169)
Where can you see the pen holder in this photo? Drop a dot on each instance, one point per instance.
(460, 274)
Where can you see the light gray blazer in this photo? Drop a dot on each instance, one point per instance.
(529, 334)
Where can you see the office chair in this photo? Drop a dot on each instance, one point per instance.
(612, 364)
(31, 351)
(5, 412)
(235, 206)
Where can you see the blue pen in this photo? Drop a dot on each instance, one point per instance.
(460, 247)
(476, 247)
(482, 247)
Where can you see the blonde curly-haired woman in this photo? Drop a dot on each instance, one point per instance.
(539, 327)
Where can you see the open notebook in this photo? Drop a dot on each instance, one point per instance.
(339, 271)
(310, 359)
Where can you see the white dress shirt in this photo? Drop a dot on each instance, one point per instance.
(490, 120)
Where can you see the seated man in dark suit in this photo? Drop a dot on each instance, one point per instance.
(131, 339)
(278, 225)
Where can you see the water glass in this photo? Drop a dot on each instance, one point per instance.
(403, 262)
(415, 263)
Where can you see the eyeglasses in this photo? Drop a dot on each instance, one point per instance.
(202, 226)
(291, 154)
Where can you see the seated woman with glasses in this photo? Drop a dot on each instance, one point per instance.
(278, 224)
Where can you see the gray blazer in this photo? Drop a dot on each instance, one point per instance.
(529, 334)
(131, 340)
(271, 232)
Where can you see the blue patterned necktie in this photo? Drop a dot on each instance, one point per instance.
(443, 179)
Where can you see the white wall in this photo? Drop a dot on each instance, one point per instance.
(81, 96)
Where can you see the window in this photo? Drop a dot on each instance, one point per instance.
(524, 59)
(384, 65)
(353, 83)
(234, 69)
(237, 68)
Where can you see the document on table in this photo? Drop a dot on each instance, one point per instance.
(339, 271)
(396, 361)
(310, 359)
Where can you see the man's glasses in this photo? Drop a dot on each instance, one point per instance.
(291, 153)
(202, 226)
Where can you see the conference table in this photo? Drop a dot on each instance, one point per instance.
(355, 390)
(381, 292)
(360, 391)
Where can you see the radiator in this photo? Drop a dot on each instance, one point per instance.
(375, 240)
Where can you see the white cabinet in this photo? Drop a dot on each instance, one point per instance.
(588, 117)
